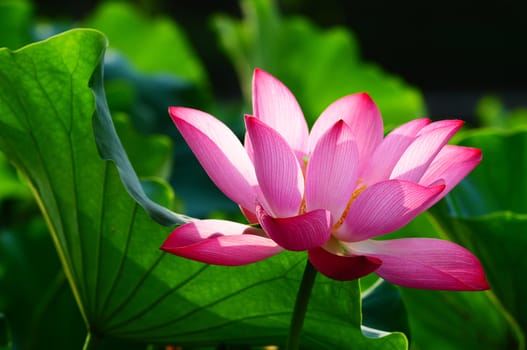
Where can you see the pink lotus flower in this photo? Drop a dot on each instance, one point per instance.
(330, 191)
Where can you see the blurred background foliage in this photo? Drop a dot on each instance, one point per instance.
(467, 64)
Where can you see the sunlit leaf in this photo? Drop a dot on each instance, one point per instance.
(318, 65)
(109, 246)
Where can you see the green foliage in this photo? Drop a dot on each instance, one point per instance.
(443, 321)
(152, 155)
(318, 65)
(498, 183)
(491, 112)
(152, 45)
(10, 184)
(383, 308)
(449, 321)
(149, 66)
(15, 21)
(34, 293)
(143, 82)
(108, 245)
(5, 338)
(487, 213)
(56, 128)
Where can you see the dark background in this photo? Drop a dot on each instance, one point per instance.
(454, 51)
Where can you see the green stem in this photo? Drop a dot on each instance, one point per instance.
(302, 300)
(92, 342)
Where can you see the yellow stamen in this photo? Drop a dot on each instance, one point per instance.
(356, 193)
(302, 209)
(305, 160)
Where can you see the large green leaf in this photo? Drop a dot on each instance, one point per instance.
(318, 65)
(488, 214)
(108, 244)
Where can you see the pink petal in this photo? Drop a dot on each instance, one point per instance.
(342, 268)
(277, 169)
(386, 155)
(219, 152)
(418, 156)
(277, 107)
(451, 165)
(385, 207)
(247, 141)
(331, 174)
(297, 233)
(220, 242)
(362, 116)
(425, 263)
(249, 215)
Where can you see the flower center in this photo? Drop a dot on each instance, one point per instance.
(336, 247)
(361, 186)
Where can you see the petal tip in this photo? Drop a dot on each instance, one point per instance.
(261, 76)
(364, 95)
(259, 72)
(174, 111)
(457, 124)
(250, 119)
(477, 154)
(426, 263)
(480, 285)
(178, 114)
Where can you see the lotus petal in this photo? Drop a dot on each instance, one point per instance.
(220, 242)
(425, 263)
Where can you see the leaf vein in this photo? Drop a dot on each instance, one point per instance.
(119, 273)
